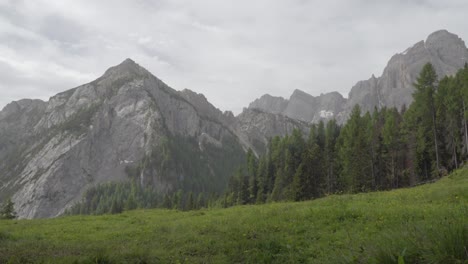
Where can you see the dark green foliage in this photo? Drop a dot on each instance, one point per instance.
(8, 210)
(113, 198)
(180, 162)
(355, 153)
(189, 170)
(379, 151)
(421, 120)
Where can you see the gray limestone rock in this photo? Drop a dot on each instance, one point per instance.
(446, 51)
(271, 104)
(302, 106)
(54, 151)
(255, 127)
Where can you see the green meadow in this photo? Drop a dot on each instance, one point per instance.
(424, 224)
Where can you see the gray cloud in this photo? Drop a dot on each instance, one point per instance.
(231, 51)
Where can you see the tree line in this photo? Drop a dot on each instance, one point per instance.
(382, 150)
(116, 197)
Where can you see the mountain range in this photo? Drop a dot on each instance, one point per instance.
(446, 51)
(128, 124)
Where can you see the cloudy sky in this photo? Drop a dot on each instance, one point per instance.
(231, 51)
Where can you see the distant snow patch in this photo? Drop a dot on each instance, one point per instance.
(326, 114)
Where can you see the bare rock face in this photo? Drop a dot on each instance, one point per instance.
(447, 53)
(302, 106)
(307, 108)
(271, 104)
(54, 151)
(255, 127)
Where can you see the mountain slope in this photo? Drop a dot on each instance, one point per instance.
(125, 125)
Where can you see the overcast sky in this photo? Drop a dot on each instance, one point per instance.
(231, 51)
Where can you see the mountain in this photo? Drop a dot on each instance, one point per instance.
(446, 51)
(126, 125)
(255, 127)
(302, 106)
(129, 125)
(271, 104)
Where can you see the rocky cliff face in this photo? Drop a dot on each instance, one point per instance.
(255, 127)
(446, 51)
(270, 104)
(302, 106)
(305, 107)
(127, 120)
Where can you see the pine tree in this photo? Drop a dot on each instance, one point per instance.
(332, 132)
(167, 202)
(449, 102)
(200, 201)
(391, 143)
(354, 153)
(464, 96)
(8, 210)
(262, 180)
(190, 202)
(298, 190)
(423, 122)
(252, 175)
(116, 207)
(320, 134)
(313, 178)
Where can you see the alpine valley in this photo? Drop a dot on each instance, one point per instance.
(130, 126)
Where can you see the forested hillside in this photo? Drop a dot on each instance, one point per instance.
(385, 149)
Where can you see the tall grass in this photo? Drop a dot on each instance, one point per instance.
(426, 224)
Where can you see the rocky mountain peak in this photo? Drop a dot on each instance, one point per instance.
(299, 94)
(128, 68)
(269, 103)
(446, 51)
(442, 36)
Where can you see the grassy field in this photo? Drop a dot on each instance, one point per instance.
(425, 224)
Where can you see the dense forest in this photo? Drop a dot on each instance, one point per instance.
(382, 150)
